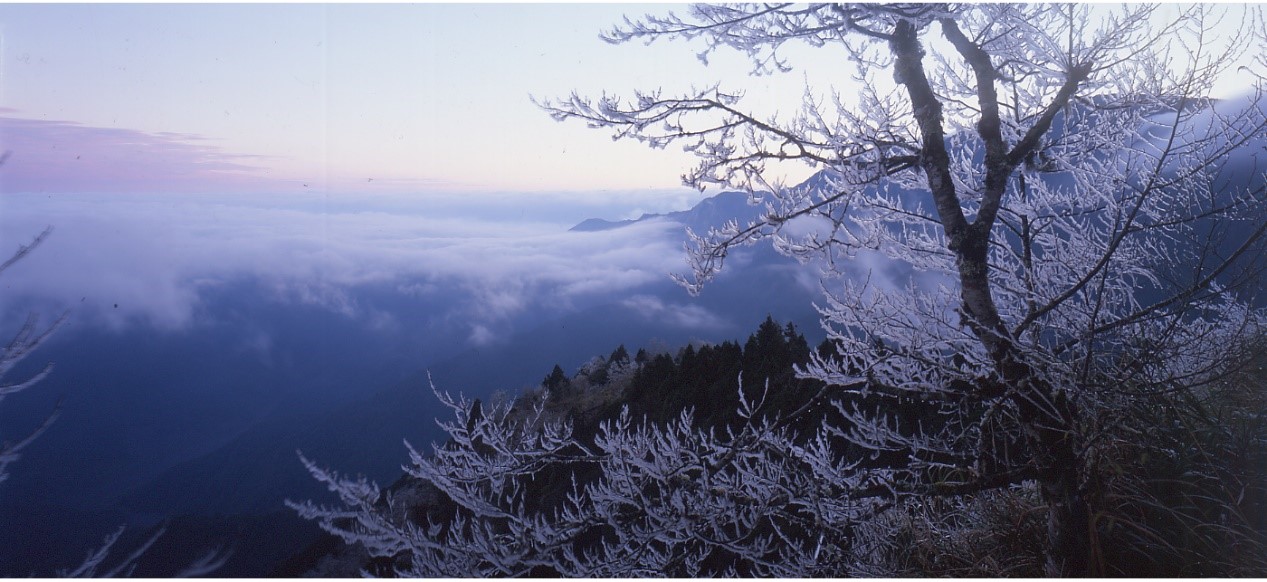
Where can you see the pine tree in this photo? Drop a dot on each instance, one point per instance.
(556, 379)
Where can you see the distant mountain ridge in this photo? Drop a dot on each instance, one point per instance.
(709, 212)
(713, 211)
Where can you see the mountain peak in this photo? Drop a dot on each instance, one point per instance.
(713, 211)
(596, 224)
(709, 212)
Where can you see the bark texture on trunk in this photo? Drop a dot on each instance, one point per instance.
(1047, 416)
(1068, 524)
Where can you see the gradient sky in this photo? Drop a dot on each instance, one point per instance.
(416, 97)
(361, 98)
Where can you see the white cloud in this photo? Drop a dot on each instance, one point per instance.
(153, 255)
(684, 316)
(481, 336)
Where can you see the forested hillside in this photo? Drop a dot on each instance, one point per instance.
(1185, 493)
(657, 387)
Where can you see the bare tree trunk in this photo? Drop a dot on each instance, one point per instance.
(1048, 418)
(1068, 524)
(1050, 421)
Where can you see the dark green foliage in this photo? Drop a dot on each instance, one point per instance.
(703, 378)
(706, 379)
(556, 379)
(600, 375)
(771, 352)
(1196, 510)
(1183, 487)
(619, 355)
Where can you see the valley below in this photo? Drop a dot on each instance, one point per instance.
(195, 431)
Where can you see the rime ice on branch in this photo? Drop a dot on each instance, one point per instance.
(1080, 226)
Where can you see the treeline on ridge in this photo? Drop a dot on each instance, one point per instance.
(703, 378)
(1172, 500)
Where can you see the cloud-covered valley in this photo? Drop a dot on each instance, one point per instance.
(123, 260)
(191, 318)
(209, 336)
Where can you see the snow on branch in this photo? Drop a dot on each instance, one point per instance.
(1029, 231)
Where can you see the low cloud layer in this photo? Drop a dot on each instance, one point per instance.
(126, 259)
(147, 226)
(693, 317)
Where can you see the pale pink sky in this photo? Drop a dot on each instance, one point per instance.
(400, 98)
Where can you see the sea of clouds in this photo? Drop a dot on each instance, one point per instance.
(127, 259)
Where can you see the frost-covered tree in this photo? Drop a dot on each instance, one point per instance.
(1070, 227)
(28, 337)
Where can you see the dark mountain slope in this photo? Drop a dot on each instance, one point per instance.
(259, 469)
(713, 211)
(255, 471)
